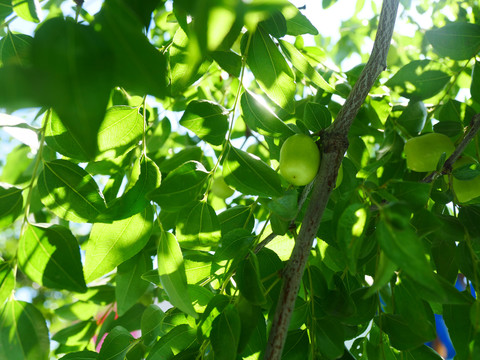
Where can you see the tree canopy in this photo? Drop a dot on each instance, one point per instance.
(148, 208)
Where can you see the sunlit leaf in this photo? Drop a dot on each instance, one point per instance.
(271, 70)
(457, 40)
(116, 344)
(172, 273)
(109, 245)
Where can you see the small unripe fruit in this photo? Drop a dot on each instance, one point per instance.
(221, 189)
(424, 152)
(299, 159)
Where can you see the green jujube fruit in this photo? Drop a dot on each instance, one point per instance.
(299, 159)
(424, 152)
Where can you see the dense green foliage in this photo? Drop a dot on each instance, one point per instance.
(132, 121)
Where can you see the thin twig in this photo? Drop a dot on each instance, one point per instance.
(447, 166)
(334, 141)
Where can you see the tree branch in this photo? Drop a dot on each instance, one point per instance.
(447, 166)
(334, 145)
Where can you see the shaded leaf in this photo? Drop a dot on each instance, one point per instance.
(172, 273)
(23, 332)
(129, 283)
(250, 175)
(7, 282)
(301, 64)
(50, 256)
(181, 187)
(11, 204)
(70, 192)
(316, 117)
(179, 338)
(75, 65)
(15, 49)
(225, 333)
(151, 323)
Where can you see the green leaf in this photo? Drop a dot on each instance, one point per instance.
(423, 352)
(172, 273)
(383, 273)
(181, 187)
(198, 266)
(285, 206)
(50, 256)
(297, 345)
(449, 128)
(351, 229)
(200, 228)
(415, 194)
(228, 61)
(11, 204)
(475, 84)
(135, 199)
(208, 120)
(23, 332)
(271, 70)
(26, 9)
(138, 67)
(5, 8)
(316, 117)
(248, 280)
(15, 49)
(275, 25)
(457, 40)
(225, 333)
(297, 23)
(75, 65)
(121, 130)
(236, 217)
(401, 335)
(214, 308)
(63, 141)
(70, 192)
(179, 338)
(116, 344)
(413, 117)
(80, 355)
(301, 64)
(260, 118)
(109, 245)
(186, 154)
(129, 283)
(77, 334)
(151, 323)
(7, 282)
(330, 338)
(406, 250)
(457, 319)
(250, 175)
(233, 248)
(417, 81)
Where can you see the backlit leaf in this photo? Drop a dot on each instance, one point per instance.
(50, 256)
(200, 228)
(7, 282)
(23, 332)
(172, 273)
(129, 283)
(208, 120)
(181, 187)
(260, 118)
(271, 70)
(11, 204)
(116, 344)
(109, 245)
(250, 175)
(26, 9)
(70, 192)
